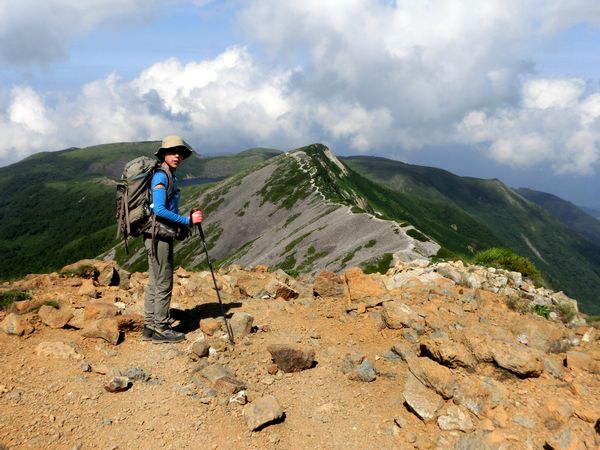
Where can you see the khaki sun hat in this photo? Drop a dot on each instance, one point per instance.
(173, 142)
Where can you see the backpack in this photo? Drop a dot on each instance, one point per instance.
(133, 213)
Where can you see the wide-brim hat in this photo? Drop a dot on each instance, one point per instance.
(171, 142)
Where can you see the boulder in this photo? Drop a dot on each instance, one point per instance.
(130, 322)
(292, 358)
(328, 284)
(210, 326)
(455, 418)
(578, 360)
(107, 329)
(358, 368)
(54, 317)
(261, 412)
(362, 288)
(241, 324)
(449, 353)
(422, 401)
(88, 289)
(15, 325)
(109, 276)
(99, 310)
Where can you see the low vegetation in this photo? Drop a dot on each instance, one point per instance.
(8, 297)
(504, 258)
(83, 271)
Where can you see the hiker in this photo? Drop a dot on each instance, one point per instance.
(167, 226)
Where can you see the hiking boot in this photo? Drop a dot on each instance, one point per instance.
(166, 336)
(147, 333)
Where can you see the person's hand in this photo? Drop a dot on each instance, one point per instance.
(196, 216)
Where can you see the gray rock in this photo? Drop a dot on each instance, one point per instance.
(200, 348)
(117, 384)
(85, 366)
(358, 368)
(15, 325)
(292, 358)
(454, 418)
(424, 402)
(215, 371)
(136, 374)
(261, 412)
(241, 324)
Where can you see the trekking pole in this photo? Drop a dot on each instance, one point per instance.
(212, 272)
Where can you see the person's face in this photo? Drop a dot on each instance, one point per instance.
(173, 158)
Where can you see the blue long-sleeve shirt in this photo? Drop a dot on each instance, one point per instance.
(163, 208)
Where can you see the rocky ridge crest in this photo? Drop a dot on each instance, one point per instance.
(441, 355)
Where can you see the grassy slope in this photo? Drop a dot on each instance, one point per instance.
(568, 262)
(58, 207)
(569, 214)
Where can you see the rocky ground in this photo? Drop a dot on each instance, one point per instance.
(427, 356)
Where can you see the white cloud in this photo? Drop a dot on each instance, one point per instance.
(556, 123)
(362, 75)
(36, 32)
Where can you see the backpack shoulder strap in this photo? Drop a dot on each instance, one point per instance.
(169, 181)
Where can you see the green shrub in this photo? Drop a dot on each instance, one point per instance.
(504, 258)
(517, 304)
(444, 254)
(566, 312)
(380, 265)
(541, 310)
(415, 234)
(36, 309)
(83, 271)
(371, 243)
(7, 298)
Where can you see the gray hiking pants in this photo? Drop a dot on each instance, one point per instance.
(160, 283)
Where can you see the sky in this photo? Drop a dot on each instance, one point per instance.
(501, 89)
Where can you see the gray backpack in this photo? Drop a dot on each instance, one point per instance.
(133, 213)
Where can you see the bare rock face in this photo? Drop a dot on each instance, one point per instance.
(521, 360)
(424, 402)
(397, 314)
(261, 412)
(292, 358)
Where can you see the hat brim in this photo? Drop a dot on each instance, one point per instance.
(186, 152)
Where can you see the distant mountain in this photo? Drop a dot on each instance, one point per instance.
(568, 261)
(300, 211)
(595, 213)
(572, 216)
(57, 207)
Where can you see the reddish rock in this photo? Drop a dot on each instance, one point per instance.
(328, 284)
(519, 359)
(107, 329)
(99, 310)
(578, 360)
(450, 353)
(210, 326)
(229, 385)
(399, 315)
(88, 289)
(54, 317)
(433, 375)
(130, 322)
(362, 288)
(200, 348)
(292, 358)
(556, 413)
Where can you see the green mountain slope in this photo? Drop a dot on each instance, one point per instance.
(568, 261)
(58, 207)
(569, 214)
